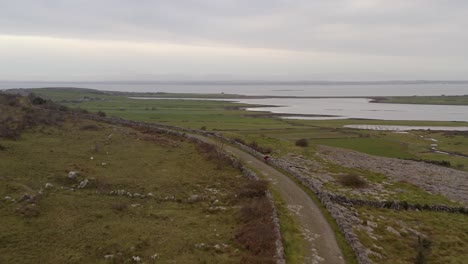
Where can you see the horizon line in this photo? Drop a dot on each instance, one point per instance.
(249, 82)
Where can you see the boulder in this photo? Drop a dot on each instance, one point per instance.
(83, 184)
(73, 174)
(194, 198)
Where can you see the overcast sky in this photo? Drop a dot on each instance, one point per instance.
(233, 39)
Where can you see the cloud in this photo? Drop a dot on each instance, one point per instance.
(377, 32)
(360, 26)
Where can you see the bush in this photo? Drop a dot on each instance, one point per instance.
(28, 210)
(36, 100)
(352, 180)
(238, 140)
(89, 127)
(256, 235)
(101, 114)
(11, 128)
(302, 142)
(214, 153)
(10, 99)
(203, 128)
(120, 207)
(253, 189)
(258, 148)
(256, 209)
(423, 248)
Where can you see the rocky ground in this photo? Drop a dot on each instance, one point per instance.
(432, 178)
(371, 231)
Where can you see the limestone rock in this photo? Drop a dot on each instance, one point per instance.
(73, 174)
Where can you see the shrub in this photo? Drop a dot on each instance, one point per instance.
(120, 207)
(215, 153)
(2, 148)
(256, 235)
(240, 141)
(253, 189)
(9, 99)
(423, 248)
(203, 128)
(10, 128)
(302, 142)
(63, 108)
(28, 210)
(36, 100)
(352, 180)
(258, 148)
(256, 209)
(89, 127)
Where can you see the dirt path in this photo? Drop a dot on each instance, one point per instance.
(323, 247)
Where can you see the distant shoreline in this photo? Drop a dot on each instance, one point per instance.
(252, 82)
(417, 99)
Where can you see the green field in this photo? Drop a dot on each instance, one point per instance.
(137, 202)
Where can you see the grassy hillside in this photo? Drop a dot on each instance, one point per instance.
(136, 196)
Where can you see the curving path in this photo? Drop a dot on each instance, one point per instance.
(323, 247)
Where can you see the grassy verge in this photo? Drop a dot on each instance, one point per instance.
(293, 239)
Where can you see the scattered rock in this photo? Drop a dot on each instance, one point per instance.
(195, 198)
(155, 256)
(220, 247)
(28, 210)
(73, 174)
(217, 247)
(393, 230)
(91, 158)
(32, 199)
(83, 184)
(371, 224)
(136, 258)
(49, 185)
(200, 245)
(120, 192)
(110, 256)
(216, 208)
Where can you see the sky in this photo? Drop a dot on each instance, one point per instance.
(89, 40)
